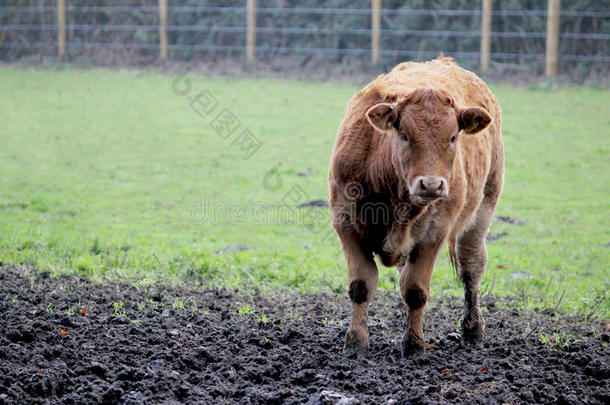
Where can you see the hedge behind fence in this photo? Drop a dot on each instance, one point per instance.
(131, 31)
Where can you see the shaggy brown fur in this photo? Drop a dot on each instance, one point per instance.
(418, 161)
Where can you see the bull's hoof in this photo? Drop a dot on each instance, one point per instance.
(357, 351)
(473, 335)
(411, 346)
(356, 344)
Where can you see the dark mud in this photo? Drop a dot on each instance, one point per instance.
(159, 344)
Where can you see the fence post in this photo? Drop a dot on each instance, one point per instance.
(251, 30)
(163, 29)
(485, 36)
(61, 28)
(375, 30)
(552, 37)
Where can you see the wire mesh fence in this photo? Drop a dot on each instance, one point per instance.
(336, 31)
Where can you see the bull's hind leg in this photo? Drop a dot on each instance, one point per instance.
(362, 284)
(472, 259)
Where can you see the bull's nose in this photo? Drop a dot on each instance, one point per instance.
(429, 187)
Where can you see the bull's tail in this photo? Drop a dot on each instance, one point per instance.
(451, 252)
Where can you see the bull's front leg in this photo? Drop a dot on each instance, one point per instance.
(415, 287)
(362, 284)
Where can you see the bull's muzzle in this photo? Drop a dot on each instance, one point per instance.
(429, 187)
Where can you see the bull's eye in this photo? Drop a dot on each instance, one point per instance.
(404, 136)
(453, 138)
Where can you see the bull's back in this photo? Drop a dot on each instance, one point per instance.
(466, 88)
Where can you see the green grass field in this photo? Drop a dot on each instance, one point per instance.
(114, 174)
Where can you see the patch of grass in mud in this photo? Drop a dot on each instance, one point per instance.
(114, 175)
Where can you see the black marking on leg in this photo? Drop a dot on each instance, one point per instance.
(415, 298)
(414, 253)
(358, 291)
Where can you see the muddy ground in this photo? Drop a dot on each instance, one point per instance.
(68, 340)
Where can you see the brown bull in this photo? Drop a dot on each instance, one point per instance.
(418, 161)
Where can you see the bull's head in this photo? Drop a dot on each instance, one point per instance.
(426, 127)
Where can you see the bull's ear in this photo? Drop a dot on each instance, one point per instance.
(382, 116)
(473, 120)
